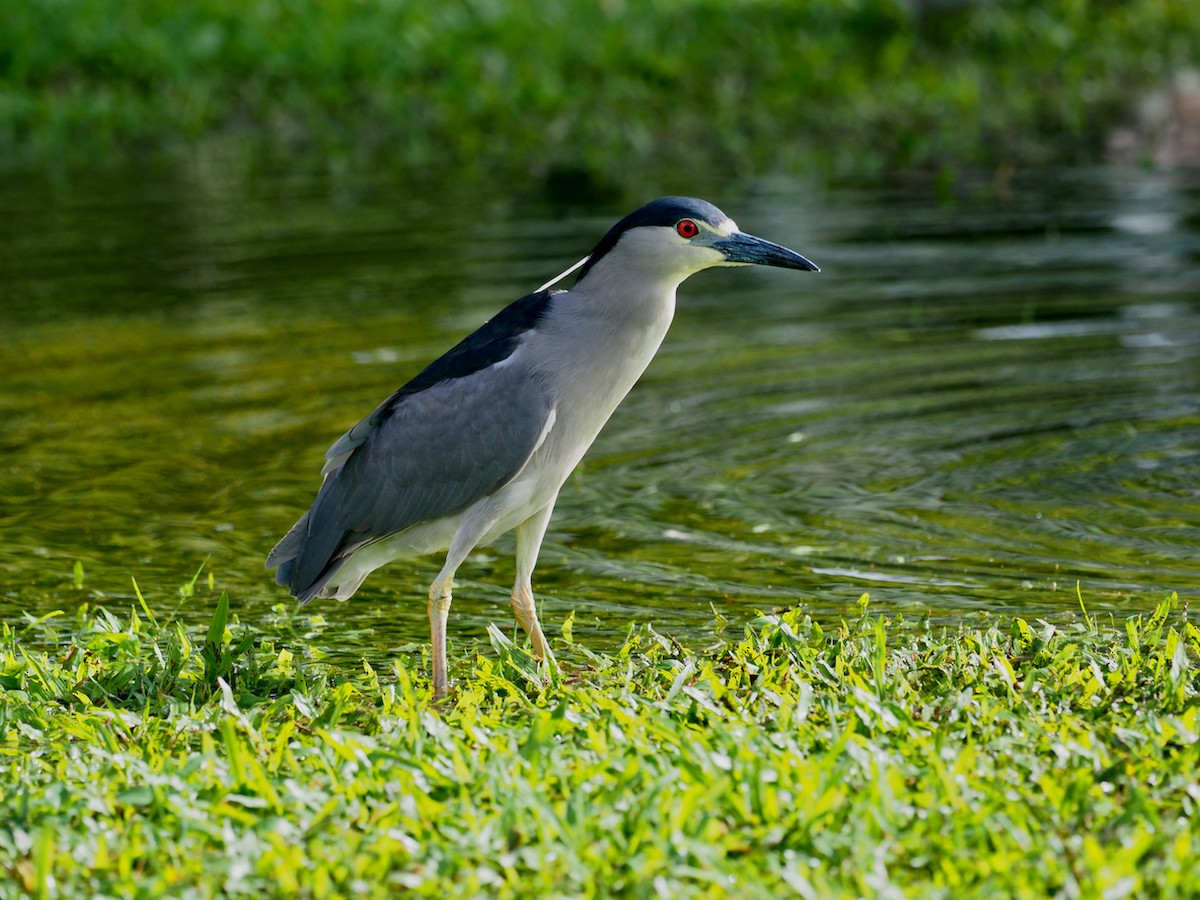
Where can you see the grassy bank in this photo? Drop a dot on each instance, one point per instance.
(845, 87)
(140, 760)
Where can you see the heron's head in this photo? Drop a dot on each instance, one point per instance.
(673, 237)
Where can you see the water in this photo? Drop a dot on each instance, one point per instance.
(987, 397)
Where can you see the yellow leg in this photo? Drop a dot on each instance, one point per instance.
(439, 613)
(529, 542)
(464, 541)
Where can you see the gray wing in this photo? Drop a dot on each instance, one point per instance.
(418, 457)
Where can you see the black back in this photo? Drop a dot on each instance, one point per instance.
(493, 342)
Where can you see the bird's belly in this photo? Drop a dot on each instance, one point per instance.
(509, 506)
(422, 539)
(534, 488)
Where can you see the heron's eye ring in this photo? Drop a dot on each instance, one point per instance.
(686, 228)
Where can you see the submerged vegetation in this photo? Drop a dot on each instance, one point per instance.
(865, 759)
(851, 87)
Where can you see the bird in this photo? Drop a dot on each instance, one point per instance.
(481, 440)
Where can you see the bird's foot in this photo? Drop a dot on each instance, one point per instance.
(442, 694)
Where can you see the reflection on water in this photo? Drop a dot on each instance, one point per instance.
(976, 405)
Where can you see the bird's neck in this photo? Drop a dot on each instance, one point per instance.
(631, 295)
(625, 311)
(605, 338)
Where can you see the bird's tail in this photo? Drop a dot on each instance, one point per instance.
(285, 552)
(283, 559)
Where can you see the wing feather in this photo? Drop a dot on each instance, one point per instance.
(456, 433)
(433, 455)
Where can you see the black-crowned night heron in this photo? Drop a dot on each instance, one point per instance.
(480, 442)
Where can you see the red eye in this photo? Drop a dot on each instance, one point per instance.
(687, 228)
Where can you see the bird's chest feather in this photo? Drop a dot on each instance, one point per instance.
(590, 366)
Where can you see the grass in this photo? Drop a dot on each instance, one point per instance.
(482, 88)
(873, 758)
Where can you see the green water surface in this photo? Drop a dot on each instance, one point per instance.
(983, 399)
